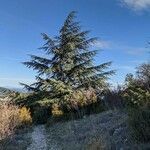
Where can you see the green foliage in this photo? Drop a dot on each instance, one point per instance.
(113, 99)
(37, 102)
(137, 92)
(80, 98)
(32, 99)
(66, 76)
(41, 115)
(68, 65)
(139, 121)
(137, 95)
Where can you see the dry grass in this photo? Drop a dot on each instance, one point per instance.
(20, 140)
(9, 119)
(25, 116)
(104, 131)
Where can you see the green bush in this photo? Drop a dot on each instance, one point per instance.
(41, 115)
(139, 121)
(75, 105)
(138, 104)
(113, 99)
(74, 114)
(137, 97)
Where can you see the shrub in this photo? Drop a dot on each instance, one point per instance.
(113, 99)
(137, 97)
(9, 119)
(41, 115)
(56, 111)
(139, 122)
(25, 116)
(78, 104)
(83, 98)
(81, 103)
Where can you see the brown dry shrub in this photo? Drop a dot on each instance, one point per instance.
(56, 111)
(82, 98)
(25, 116)
(9, 119)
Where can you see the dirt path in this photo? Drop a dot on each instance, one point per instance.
(38, 138)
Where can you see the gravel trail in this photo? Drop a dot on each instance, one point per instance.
(38, 138)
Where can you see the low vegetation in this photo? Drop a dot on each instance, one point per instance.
(9, 119)
(25, 116)
(139, 121)
(20, 140)
(12, 117)
(137, 95)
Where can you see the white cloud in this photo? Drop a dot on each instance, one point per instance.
(137, 62)
(136, 51)
(121, 47)
(101, 44)
(137, 5)
(127, 49)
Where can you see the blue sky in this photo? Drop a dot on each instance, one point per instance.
(123, 28)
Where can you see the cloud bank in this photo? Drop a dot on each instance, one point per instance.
(137, 5)
(102, 44)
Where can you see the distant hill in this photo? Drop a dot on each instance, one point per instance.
(20, 90)
(4, 91)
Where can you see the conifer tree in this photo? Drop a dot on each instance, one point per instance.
(69, 63)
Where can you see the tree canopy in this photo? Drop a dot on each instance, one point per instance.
(68, 64)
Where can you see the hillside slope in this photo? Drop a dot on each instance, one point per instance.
(4, 91)
(105, 131)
